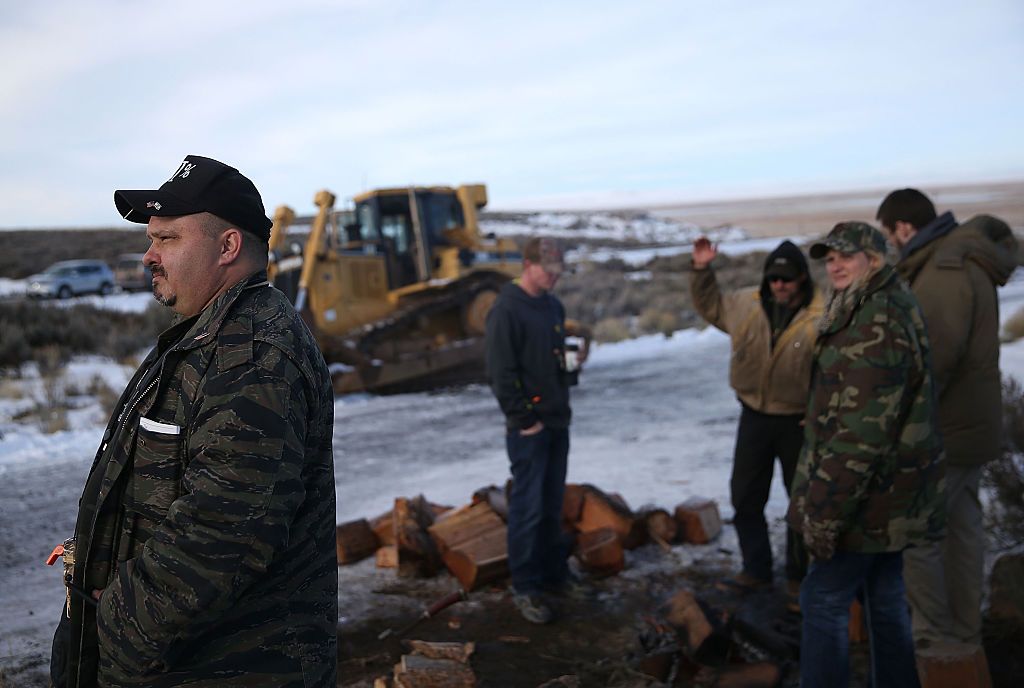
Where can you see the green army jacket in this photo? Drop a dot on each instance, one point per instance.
(208, 518)
(871, 468)
(773, 380)
(954, 278)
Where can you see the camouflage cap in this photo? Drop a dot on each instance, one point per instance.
(546, 253)
(849, 237)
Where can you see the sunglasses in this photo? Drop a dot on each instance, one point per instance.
(777, 278)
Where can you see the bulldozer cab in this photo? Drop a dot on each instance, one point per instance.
(398, 286)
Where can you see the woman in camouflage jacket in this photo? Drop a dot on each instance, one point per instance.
(869, 478)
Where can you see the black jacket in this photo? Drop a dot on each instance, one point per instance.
(525, 358)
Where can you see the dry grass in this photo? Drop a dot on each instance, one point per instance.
(1013, 328)
(1005, 476)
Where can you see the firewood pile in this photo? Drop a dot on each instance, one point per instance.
(416, 537)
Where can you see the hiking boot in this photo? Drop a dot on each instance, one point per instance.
(742, 582)
(532, 607)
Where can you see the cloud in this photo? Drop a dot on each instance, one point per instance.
(537, 99)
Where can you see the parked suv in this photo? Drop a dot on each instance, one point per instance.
(131, 274)
(71, 277)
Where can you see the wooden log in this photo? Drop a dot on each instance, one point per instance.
(953, 665)
(462, 524)
(858, 631)
(473, 542)
(600, 552)
(387, 557)
(660, 525)
(355, 541)
(572, 506)
(384, 527)
(414, 671)
(459, 652)
(699, 521)
(479, 561)
(417, 555)
(601, 511)
(756, 675)
(703, 636)
(496, 497)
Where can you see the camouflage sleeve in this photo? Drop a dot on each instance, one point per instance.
(241, 489)
(503, 369)
(859, 430)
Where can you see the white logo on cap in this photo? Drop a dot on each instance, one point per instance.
(183, 170)
(153, 204)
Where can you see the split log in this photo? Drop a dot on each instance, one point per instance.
(600, 552)
(699, 521)
(459, 652)
(387, 557)
(703, 636)
(480, 561)
(953, 665)
(757, 675)
(660, 525)
(462, 524)
(384, 527)
(473, 541)
(496, 497)
(572, 506)
(414, 671)
(602, 511)
(417, 556)
(355, 541)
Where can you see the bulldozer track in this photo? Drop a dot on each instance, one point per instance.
(426, 304)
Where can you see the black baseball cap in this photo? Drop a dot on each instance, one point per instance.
(200, 185)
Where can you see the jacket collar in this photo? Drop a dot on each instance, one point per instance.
(200, 328)
(939, 227)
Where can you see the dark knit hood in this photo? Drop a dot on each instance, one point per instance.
(792, 253)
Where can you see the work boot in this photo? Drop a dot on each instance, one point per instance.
(742, 582)
(532, 607)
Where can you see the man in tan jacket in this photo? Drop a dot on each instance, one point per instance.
(954, 270)
(773, 330)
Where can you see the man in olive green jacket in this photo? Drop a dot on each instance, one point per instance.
(204, 547)
(773, 329)
(953, 271)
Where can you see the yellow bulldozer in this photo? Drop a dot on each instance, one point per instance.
(397, 288)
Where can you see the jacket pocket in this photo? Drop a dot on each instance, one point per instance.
(156, 474)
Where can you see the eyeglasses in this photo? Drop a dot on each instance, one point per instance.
(777, 278)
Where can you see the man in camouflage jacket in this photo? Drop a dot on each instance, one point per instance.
(205, 550)
(953, 270)
(869, 480)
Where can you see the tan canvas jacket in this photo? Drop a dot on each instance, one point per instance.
(773, 381)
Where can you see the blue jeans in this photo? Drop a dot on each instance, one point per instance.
(537, 551)
(825, 597)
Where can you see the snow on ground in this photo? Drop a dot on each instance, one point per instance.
(11, 287)
(638, 257)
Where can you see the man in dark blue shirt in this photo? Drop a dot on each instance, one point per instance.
(526, 364)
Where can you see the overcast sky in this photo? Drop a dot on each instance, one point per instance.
(549, 103)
